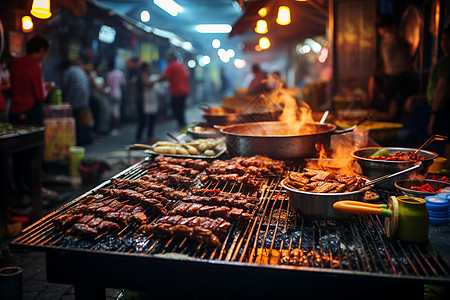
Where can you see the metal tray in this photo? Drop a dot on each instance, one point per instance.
(219, 151)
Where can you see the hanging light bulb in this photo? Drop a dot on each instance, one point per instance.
(261, 27)
(264, 43)
(262, 12)
(41, 9)
(27, 24)
(284, 15)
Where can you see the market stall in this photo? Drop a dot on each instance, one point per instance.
(229, 222)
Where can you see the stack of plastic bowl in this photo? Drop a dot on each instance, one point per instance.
(438, 208)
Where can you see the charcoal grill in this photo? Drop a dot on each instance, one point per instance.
(277, 254)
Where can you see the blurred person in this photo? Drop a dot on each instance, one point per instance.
(98, 99)
(259, 81)
(397, 79)
(147, 103)
(225, 87)
(178, 76)
(28, 93)
(76, 91)
(274, 81)
(5, 85)
(115, 79)
(438, 98)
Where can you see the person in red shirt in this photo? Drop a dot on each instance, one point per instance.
(28, 90)
(178, 77)
(28, 93)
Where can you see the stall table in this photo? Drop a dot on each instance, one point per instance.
(20, 139)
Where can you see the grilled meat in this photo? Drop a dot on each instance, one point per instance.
(215, 200)
(135, 197)
(219, 193)
(196, 233)
(218, 226)
(319, 181)
(196, 209)
(197, 164)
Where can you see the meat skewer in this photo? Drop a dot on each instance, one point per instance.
(196, 233)
(217, 192)
(137, 197)
(196, 209)
(218, 226)
(240, 203)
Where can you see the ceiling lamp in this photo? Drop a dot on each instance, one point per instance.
(216, 43)
(262, 12)
(41, 9)
(169, 6)
(261, 27)
(213, 28)
(27, 24)
(145, 16)
(284, 15)
(264, 43)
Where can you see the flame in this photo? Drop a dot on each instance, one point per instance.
(295, 113)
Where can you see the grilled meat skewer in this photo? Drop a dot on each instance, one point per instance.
(217, 226)
(196, 233)
(196, 209)
(137, 197)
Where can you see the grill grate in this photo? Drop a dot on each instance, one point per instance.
(275, 236)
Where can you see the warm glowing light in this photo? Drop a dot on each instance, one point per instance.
(213, 28)
(169, 6)
(239, 63)
(264, 43)
(145, 16)
(27, 24)
(216, 43)
(323, 55)
(262, 12)
(284, 15)
(261, 27)
(41, 9)
(258, 48)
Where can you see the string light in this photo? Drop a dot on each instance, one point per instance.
(27, 24)
(284, 15)
(264, 43)
(261, 27)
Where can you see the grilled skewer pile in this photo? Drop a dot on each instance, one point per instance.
(164, 201)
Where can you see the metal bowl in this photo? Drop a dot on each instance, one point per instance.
(403, 187)
(320, 204)
(373, 168)
(199, 132)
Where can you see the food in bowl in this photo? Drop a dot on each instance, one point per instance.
(373, 168)
(420, 188)
(319, 181)
(385, 154)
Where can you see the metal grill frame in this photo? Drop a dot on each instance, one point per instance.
(91, 271)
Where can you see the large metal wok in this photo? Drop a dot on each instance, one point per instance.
(225, 116)
(276, 141)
